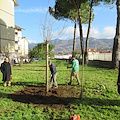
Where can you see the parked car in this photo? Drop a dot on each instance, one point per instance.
(36, 59)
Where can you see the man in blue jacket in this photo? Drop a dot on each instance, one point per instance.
(53, 74)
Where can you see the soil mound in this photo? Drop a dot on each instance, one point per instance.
(56, 97)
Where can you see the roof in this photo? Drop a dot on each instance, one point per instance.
(15, 3)
(18, 28)
(25, 39)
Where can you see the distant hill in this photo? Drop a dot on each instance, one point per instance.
(32, 45)
(65, 46)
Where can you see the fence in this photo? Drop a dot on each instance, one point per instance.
(101, 56)
(91, 56)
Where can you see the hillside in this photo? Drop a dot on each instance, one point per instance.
(65, 46)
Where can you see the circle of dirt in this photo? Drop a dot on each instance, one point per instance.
(56, 97)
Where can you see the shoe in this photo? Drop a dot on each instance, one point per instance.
(4, 84)
(56, 87)
(69, 83)
(9, 83)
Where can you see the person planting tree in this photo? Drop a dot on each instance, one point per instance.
(75, 70)
(53, 75)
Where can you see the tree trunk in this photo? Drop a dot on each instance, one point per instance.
(81, 94)
(88, 33)
(81, 33)
(21, 61)
(82, 48)
(47, 50)
(74, 40)
(116, 44)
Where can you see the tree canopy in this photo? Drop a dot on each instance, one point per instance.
(65, 9)
(39, 51)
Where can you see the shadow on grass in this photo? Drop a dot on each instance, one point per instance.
(1, 84)
(36, 95)
(70, 70)
(100, 102)
(30, 70)
(26, 83)
(21, 83)
(63, 97)
(52, 100)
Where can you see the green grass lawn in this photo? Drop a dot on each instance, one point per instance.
(100, 98)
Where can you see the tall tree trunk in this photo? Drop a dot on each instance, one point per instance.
(21, 61)
(116, 44)
(47, 50)
(82, 47)
(74, 40)
(81, 32)
(88, 33)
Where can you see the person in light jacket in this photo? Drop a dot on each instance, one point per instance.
(75, 70)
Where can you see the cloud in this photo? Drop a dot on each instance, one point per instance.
(36, 10)
(32, 41)
(95, 33)
(108, 32)
(69, 32)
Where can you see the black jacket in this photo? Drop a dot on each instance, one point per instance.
(118, 81)
(6, 70)
(53, 69)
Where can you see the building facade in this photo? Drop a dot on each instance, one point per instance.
(21, 43)
(25, 48)
(7, 25)
(12, 44)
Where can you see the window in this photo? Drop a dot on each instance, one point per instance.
(16, 33)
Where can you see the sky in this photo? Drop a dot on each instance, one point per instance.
(31, 15)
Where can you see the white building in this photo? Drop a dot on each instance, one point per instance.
(7, 31)
(25, 48)
(63, 56)
(21, 43)
(7, 24)
(11, 40)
